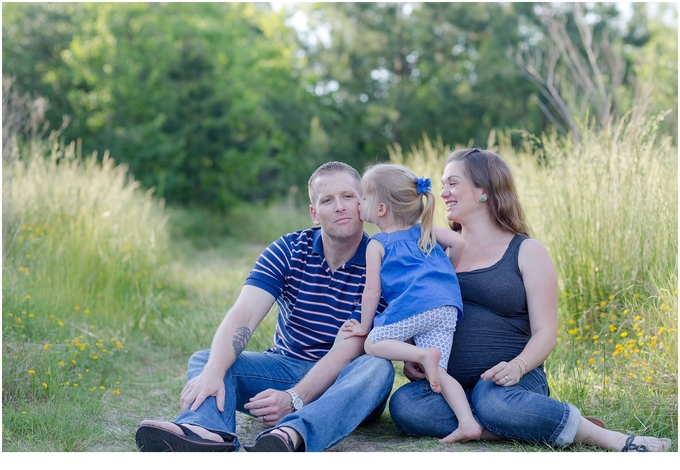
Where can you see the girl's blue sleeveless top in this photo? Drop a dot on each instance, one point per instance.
(413, 282)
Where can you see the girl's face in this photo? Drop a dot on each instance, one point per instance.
(458, 192)
(366, 205)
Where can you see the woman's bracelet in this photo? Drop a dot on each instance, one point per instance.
(521, 374)
(526, 366)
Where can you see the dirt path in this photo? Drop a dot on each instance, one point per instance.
(382, 437)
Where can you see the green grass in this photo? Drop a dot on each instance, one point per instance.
(106, 292)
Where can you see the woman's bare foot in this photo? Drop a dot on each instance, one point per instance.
(592, 435)
(468, 431)
(173, 428)
(652, 444)
(430, 363)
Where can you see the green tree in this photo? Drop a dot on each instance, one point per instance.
(198, 98)
(655, 63)
(392, 72)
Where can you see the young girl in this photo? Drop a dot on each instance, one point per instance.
(407, 266)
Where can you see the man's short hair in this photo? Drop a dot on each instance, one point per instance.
(328, 169)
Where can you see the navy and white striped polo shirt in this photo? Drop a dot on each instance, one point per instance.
(313, 302)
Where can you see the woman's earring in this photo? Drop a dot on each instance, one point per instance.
(482, 199)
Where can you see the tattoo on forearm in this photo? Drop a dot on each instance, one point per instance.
(240, 340)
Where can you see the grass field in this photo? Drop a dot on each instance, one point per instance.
(106, 292)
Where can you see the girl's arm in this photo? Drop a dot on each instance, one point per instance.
(452, 242)
(372, 290)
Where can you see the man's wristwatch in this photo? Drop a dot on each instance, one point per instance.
(296, 402)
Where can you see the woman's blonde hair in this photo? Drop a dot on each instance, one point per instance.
(398, 188)
(490, 172)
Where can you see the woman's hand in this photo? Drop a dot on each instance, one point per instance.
(414, 371)
(504, 373)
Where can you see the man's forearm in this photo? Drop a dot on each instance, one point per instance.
(329, 367)
(236, 328)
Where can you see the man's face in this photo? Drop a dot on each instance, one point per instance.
(336, 205)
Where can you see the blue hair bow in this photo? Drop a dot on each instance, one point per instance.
(423, 185)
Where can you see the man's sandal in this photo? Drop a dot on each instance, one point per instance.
(153, 439)
(272, 442)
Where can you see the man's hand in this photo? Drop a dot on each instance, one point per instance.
(201, 387)
(354, 328)
(413, 371)
(270, 406)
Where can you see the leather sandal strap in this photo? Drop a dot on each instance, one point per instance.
(634, 447)
(188, 432)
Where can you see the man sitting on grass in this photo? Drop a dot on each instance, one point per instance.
(314, 385)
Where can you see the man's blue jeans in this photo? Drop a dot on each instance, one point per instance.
(523, 411)
(361, 387)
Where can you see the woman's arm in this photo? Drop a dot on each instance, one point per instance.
(540, 283)
(452, 242)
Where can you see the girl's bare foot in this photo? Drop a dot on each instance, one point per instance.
(431, 365)
(465, 432)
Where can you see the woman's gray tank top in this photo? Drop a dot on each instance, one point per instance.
(495, 325)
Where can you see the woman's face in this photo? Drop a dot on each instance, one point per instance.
(458, 192)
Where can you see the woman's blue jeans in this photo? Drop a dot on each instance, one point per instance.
(523, 411)
(362, 386)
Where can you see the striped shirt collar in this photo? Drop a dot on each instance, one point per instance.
(359, 258)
